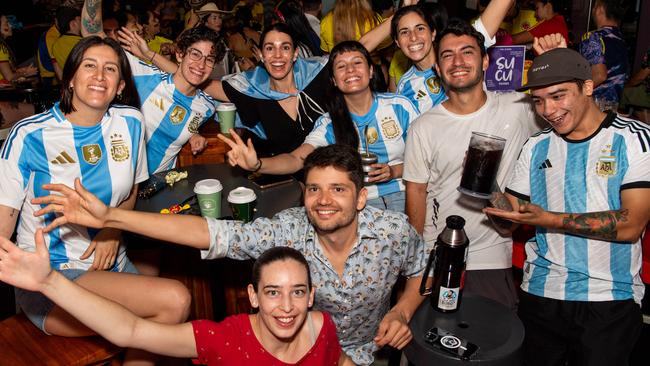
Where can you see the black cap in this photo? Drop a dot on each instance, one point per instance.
(557, 66)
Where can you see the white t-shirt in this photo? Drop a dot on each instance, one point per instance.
(435, 147)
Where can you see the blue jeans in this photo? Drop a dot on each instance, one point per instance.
(394, 202)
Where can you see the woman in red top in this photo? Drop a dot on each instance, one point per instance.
(283, 332)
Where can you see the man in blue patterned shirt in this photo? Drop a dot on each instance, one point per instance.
(355, 252)
(606, 51)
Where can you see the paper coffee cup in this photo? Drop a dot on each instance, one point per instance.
(242, 203)
(208, 193)
(226, 114)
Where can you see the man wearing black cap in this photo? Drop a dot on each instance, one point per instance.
(585, 185)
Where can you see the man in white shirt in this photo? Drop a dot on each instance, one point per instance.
(433, 160)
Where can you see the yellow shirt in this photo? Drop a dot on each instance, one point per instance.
(62, 47)
(5, 56)
(257, 11)
(398, 65)
(50, 38)
(156, 42)
(327, 35)
(524, 21)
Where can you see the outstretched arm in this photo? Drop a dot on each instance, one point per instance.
(393, 328)
(78, 206)
(111, 320)
(378, 34)
(244, 155)
(625, 224)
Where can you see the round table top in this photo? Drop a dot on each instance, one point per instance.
(494, 328)
(269, 200)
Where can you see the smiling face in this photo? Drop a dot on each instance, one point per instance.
(278, 54)
(332, 200)
(352, 73)
(5, 27)
(195, 67)
(97, 80)
(460, 64)
(415, 38)
(283, 298)
(564, 106)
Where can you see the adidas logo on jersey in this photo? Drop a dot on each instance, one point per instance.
(420, 94)
(545, 164)
(63, 158)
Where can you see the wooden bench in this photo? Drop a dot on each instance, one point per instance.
(21, 343)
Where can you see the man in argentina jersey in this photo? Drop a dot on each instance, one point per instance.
(108, 158)
(585, 185)
(387, 121)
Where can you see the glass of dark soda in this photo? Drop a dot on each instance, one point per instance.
(481, 165)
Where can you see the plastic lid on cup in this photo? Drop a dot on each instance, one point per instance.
(207, 186)
(241, 195)
(225, 107)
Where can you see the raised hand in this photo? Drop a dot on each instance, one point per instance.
(240, 154)
(77, 206)
(379, 173)
(23, 269)
(548, 42)
(134, 43)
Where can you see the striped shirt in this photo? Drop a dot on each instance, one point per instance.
(387, 121)
(577, 177)
(170, 116)
(47, 148)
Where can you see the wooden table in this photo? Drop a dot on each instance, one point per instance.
(185, 264)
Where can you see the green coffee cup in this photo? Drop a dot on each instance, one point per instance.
(226, 113)
(242, 203)
(208, 193)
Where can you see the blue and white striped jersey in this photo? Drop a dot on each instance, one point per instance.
(170, 116)
(423, 88)
(46, 148)
(577, 177)
(388, 120)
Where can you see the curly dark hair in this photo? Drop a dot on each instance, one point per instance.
(341, 157)
(459, 27)
(196, 34)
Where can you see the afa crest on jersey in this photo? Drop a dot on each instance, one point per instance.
(119, 149)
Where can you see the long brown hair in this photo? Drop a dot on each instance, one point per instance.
(350, 15)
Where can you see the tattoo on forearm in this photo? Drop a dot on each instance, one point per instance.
(92, 24)
(595, 224)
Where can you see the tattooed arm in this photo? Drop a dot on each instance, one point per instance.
(91, 19)
(8, 219)
(625, 225)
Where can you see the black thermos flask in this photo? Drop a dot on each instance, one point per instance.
(448, 259)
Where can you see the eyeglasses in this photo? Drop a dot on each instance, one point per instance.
(196, 55)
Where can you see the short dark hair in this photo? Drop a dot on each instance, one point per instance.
(557, 5)
(340, 157)
(614, 9)
(278, 254)
(129, 93)
(197, 34)
(459, 28)
(64, 15)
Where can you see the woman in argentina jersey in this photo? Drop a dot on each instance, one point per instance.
(85, 136)
(414, 31)
(358, 117)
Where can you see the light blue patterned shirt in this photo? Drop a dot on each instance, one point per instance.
(387, 247)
